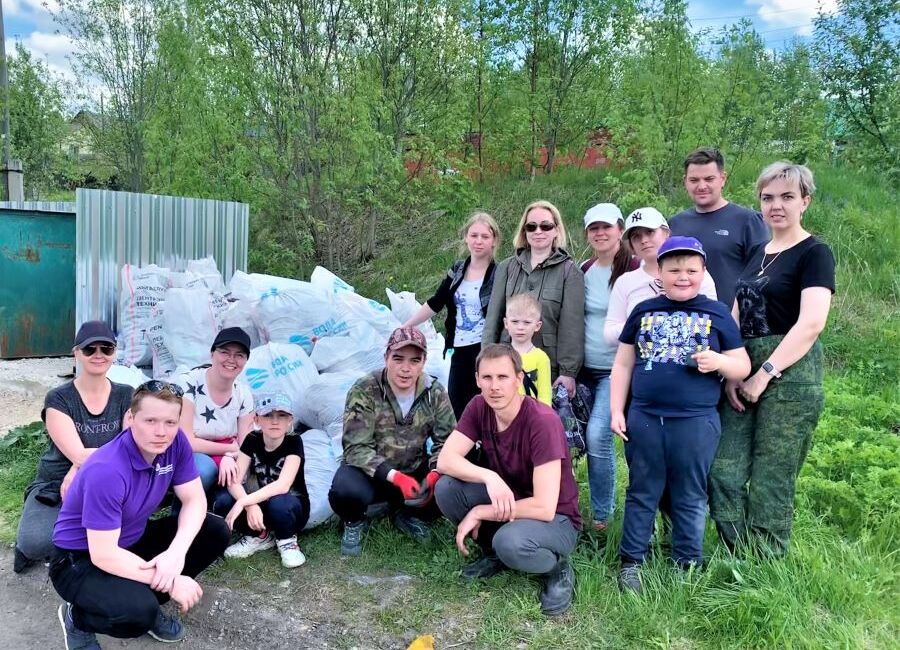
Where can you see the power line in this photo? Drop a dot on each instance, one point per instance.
(756, 15)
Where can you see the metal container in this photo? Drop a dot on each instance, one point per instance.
(37, 279)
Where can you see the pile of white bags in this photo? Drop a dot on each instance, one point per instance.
(310, 340)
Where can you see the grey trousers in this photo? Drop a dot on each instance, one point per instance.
(34, 537)
(525, 545)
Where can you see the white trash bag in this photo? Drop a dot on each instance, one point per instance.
(191, 320)
(207, 270)
(324, 399)
(328, 281)
(163, 361)
(297, 316)
(142, 287)
(361, 350)
(129, 375)
(252, 286)
(280, 368)
(319, 468)
(335, 432)
(241, 313)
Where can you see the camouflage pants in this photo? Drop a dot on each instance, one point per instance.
(765, 447)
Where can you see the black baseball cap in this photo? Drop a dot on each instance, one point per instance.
(232, 335)
(94, 331)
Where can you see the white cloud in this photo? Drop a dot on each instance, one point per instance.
(795, 14)
(52, 49)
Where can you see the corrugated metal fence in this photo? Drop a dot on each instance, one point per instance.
(115, 228)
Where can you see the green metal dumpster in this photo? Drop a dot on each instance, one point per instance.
(37, 282)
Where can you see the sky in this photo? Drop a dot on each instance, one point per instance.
(778, 21)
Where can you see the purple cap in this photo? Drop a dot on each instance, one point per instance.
(679, 244)
(94, 331)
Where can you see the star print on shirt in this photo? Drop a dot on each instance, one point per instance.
(195, 390)
(209, 414)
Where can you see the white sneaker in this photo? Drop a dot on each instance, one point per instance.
(248, 545)
(291, 555)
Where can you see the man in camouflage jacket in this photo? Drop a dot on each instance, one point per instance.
(389, 417)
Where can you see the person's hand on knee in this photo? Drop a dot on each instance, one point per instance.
(186, 592)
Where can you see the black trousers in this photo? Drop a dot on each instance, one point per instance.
(462, 386)
(123, 608)
(353, 491)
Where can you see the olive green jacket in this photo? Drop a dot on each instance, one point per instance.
(558, 284)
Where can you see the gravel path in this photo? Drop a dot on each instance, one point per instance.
(23, 384)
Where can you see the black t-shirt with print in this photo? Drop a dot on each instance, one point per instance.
(769, 303)
(267, 465)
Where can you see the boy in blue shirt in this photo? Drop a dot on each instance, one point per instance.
(672, 352)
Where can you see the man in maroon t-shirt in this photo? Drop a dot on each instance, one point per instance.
(522, 508)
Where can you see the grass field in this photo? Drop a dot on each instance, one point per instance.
(840, 585)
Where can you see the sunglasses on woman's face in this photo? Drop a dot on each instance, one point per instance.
(105, 349)
(159, 386)
(545, 226)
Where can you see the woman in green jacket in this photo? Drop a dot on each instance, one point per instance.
(542, 267)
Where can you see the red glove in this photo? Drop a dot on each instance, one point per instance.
(406, 484)
(426, 491)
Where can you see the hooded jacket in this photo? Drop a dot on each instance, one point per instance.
(558, 284)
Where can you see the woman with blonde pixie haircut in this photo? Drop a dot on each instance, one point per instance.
(782, 301)
(465, 292)
(542, 267)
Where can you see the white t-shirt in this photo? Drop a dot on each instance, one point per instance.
(405, 402)
(469, 318)
(635, 287)
(213, 421)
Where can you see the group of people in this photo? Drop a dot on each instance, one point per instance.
(698, 336)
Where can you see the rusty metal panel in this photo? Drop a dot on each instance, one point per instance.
(115, 228)
(37, 289)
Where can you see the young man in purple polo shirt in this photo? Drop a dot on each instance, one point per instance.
(112, 565)
(522, 508)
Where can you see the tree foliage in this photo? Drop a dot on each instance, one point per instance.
(343, 121)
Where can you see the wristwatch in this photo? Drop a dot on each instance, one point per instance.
(769, 369)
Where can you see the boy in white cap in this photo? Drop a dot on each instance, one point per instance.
(275, 513)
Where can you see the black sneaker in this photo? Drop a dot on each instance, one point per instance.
(559, 587)
(21, 561)
(412, 527)
(167, 629)
(487, 567)
(351, 541)
(630, 578)
(74, 638)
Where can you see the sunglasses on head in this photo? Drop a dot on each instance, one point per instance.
(545, 226)
(106, 349)
(159, 386)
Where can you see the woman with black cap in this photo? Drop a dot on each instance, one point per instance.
(218, 409)
(81, 416)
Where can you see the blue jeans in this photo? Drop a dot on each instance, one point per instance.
(600, 450)
(674, 454)
(283, 514)
(209, 475)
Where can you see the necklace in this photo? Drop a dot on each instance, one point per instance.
(762, 266)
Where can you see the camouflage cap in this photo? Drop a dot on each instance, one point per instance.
(404, 336)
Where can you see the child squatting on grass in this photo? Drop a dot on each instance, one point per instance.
(523, 321)
(669, 352)
(278, 510)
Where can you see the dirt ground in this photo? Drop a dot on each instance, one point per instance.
(313, 607)
(23, 384)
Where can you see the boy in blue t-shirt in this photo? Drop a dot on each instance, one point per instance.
(672, 352)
